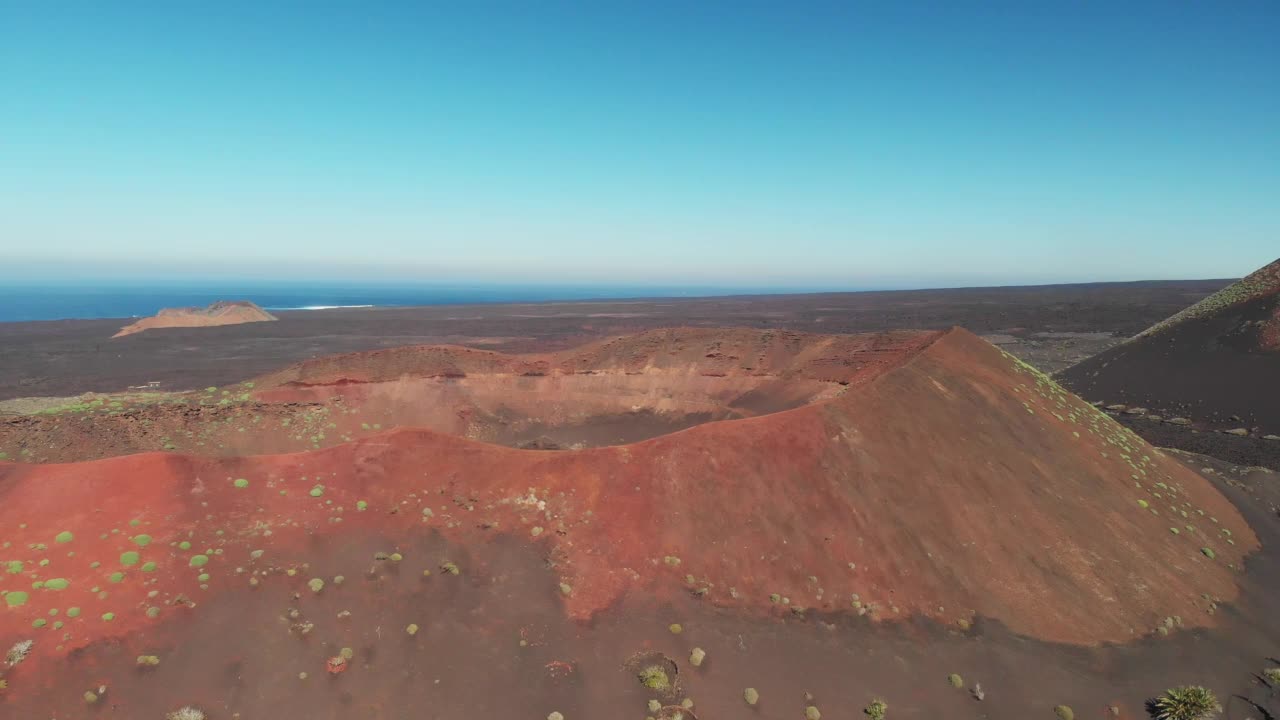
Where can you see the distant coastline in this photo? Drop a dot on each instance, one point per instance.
(320, 307)
(27, 304)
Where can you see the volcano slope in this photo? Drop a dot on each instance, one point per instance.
(1216, 363)
(940, 484)
(611, 392)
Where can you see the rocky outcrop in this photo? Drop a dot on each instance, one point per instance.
(222, 312)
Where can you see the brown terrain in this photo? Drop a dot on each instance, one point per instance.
(1206, 379)
(570, 511)
(1050, 326)
(823, 519)
(223, 312)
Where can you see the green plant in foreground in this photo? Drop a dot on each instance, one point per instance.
(876, 709)
(1272, 675)
(654, 677)
(955, 680)
(1192, 702)
(1064, 712)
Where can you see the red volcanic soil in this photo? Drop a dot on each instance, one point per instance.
(223, 312)
(611, 392)
(1217, 362)
(952, 483)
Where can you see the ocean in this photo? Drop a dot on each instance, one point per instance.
(34, 302)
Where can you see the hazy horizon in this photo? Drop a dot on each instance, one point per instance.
(833, 146)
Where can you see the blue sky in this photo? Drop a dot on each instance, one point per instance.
(745, 144)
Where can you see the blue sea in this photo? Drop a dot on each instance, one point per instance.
(35, 302)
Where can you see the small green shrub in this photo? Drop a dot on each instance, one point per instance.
(1272, 675)
(876, 709)
(654, 677)
(1186, 703)
(955, 680)
(1064, 712)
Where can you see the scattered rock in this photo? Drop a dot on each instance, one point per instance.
(18, 652)
(751, 696)
(1238, 432)
(1271, 437)
(1117, 408)
(1178, 421)
(697, 656)
(1135, 411)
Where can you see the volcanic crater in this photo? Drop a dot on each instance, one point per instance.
(891, 476)
(613, 392)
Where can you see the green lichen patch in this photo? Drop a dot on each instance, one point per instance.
(56, 584)
(64, 537)
(130, 558)
(241, 483)
(142, 540)
(16, 598)
(199, 560)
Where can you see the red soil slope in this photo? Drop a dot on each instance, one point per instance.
(614, 392)
(712, 352)
(223, 312)
(955, 483)
(1218, 361)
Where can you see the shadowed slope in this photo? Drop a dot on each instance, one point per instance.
(1217, 359)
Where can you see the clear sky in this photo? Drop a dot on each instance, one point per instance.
(738, 143)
